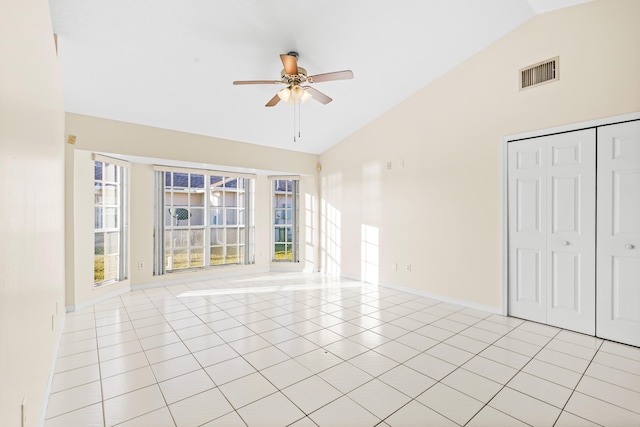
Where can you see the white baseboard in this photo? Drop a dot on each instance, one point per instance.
(350, 277)
(144, 286)
(278, 269)
(443, 298)
(92, 301)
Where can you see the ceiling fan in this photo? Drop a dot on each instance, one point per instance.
(294, 77)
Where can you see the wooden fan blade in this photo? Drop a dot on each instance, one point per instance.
(290, 63)
(337, 75)
(257, 82)
(317, 95)
(273, 101)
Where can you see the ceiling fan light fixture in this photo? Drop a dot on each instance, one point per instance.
(306, 96)
(285, 94)
(297, 93)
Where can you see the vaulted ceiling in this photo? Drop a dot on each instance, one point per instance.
(171, 63)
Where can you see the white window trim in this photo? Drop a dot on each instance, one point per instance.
(196, 171)
(295, 202)
(123, 184)
(101, 158)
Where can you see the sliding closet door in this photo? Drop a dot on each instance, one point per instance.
(619, 233)
(527, 186)
(552, 230)
(571, 251)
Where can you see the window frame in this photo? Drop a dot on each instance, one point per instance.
(242, 207)
(121, 214)
(293, 209)
(180, 211)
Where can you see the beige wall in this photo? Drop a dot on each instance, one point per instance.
(32, 214)
(107, 136)
(441, 211)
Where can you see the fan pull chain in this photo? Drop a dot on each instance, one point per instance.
(297, 106)
(299, 116)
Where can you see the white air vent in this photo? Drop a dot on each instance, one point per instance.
(542, 72)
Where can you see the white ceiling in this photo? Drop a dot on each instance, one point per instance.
(171, 63)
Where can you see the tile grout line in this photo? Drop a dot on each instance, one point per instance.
(412, 399)
(347, 361)
(505, 385)
(576, 386)
(457, 368)
(149, 365)
(421, 352)
(238, 355)
(315, 374)
(197, 361)
(76, 386)
(102, 399)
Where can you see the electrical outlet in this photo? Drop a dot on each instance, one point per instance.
(388, 165)
(394, 266)
(140, 265)
(408, 267)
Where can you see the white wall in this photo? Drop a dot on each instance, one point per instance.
(107, 136)
(441, 211)
(32, 213)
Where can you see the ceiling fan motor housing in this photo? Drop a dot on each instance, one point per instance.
(290, 78)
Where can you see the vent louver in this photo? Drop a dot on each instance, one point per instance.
(537, 74)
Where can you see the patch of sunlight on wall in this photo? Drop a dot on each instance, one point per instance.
(370, 254)
(331, 225)
(310, 225)
(331, 235)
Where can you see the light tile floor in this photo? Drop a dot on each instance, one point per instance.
(307, 350)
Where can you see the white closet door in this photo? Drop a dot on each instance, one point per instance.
(571, 251)
(551, 195)
(527, 191)
(619, 233)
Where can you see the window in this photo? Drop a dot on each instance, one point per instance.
(109, 263)
(184, 221)
(285, 220)
(227, 220)
(204, 220)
